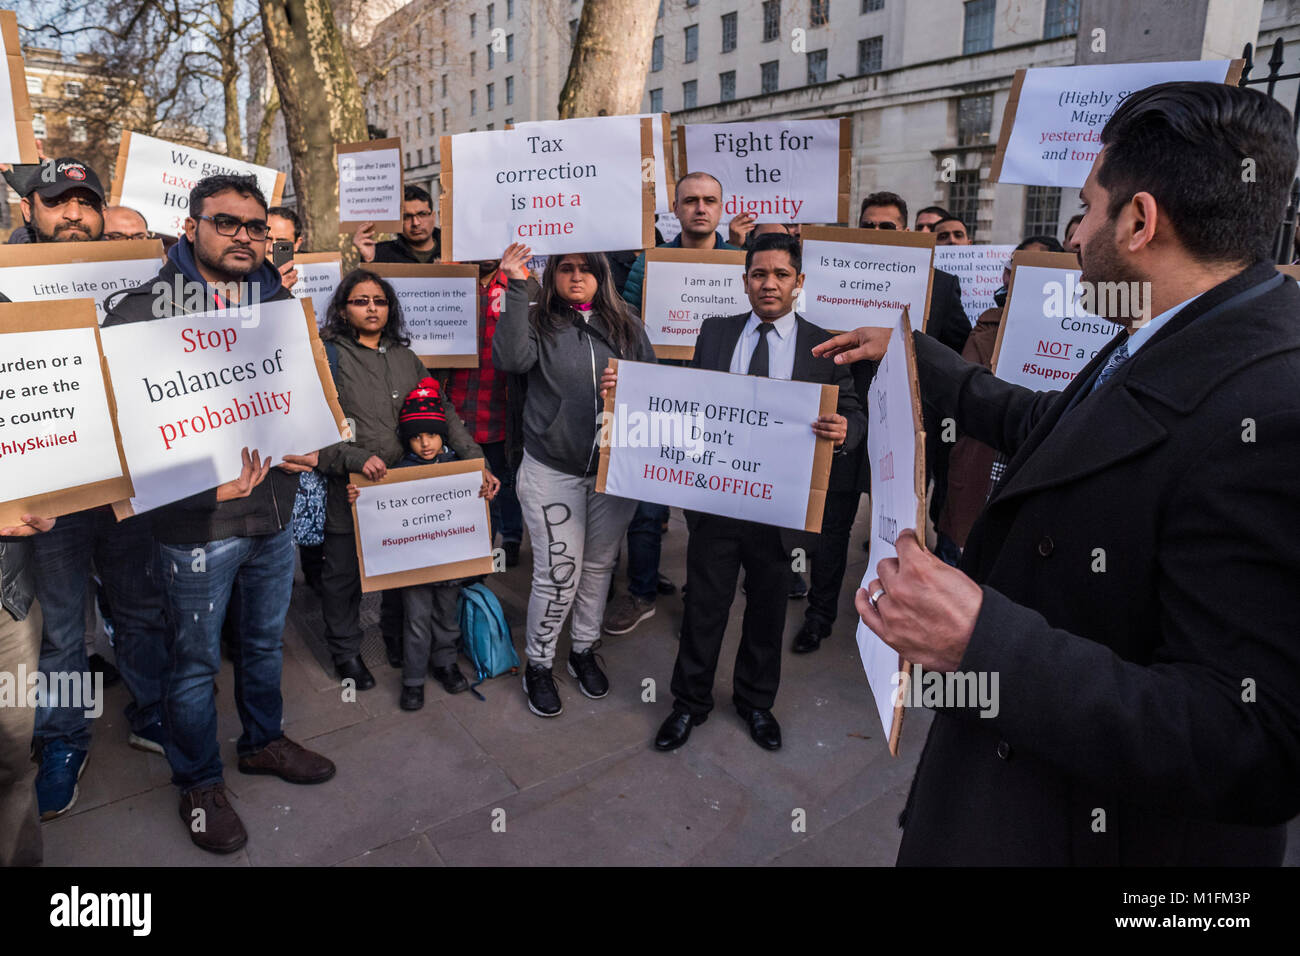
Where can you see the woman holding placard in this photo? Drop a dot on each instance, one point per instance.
(562, 345)
(374, 370)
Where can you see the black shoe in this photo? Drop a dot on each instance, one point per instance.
(355, 669)
(665, 587)
(676, 730)
(591, 680)
(762, 727)
(451, 679)
(393, 650)
(512, 553)
(99, 665)
(539, 685)
(798, 586)
(807, 640)
(412, 698)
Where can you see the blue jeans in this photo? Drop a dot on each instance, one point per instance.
(126, 558)
(198, 590)
(507, 516)
(644, 542)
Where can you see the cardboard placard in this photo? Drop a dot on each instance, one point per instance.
(74, 470)
(40, 271)
(896, 446)
(682, 288)
(1052, 122)
(779, 170)
(1292, 270)
(978, 269)
(858, 277)
(479, 533)
(370, 184)
(155, 177)
(319, 274)
(460, 351)
(740, 446)
(17, 138)
(559, 187)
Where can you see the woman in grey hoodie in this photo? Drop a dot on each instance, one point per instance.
(562, 345)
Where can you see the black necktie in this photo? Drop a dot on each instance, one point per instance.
(758, 361)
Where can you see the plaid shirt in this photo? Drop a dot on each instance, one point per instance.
(479, 394)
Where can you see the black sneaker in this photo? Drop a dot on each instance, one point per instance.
(539, 685)
(591, 680)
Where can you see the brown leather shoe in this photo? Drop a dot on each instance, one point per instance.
(213, 823)
(288, 761)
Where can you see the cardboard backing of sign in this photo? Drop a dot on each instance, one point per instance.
(648, 184)
(73, 253)
(381, 225)
(435, 572)
(49, 316)
(409, 270)
(119, 173)
(1033, 258)
(27, 151)
(123, 509)
(878, 237)
(706, 256)
(312, 258)
(1292, 271)
(670, 173)
(821, 470)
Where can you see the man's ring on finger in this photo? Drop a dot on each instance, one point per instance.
(875, 596)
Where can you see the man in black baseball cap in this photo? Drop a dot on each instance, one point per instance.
(65, 203)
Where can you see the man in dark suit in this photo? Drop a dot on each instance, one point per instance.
(1132, 582)
(775, 342)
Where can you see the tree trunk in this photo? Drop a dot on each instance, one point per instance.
(226, 42)
(611, 57)
(262, 146)
(322, 105)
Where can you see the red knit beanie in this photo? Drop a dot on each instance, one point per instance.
(422, 412)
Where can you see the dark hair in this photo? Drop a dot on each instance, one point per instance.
(885, 199)
(699, 174)
(1074, 220)
(553, 312)
(337, 326)
(1190, 146)
(211, 185)
(781, 241)
(284, 212)
(1051, 242)
(952, 219)
(938, 211)
(416, 194)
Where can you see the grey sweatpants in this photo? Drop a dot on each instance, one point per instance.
(576, 533)
(20, 831)
(431, 629)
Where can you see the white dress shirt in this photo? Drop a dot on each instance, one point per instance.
(780, 347)
(1141, 335)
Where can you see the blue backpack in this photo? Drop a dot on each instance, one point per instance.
(485, 635)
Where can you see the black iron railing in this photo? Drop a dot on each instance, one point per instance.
(1284, 250)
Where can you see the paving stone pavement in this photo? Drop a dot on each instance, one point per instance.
(426, 788)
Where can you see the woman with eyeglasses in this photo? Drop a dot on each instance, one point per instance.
(374, 370)
(562, 344)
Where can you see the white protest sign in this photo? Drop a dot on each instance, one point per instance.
(42, 271)
(17, 139)
(193, 390)
(682, 288)
(895, 446)
(1048, 333)
(562, 186)
(319, 274)
(669, 226)
(423, 523)
(858, 277)
(978, 269)
(370, 184)
(155, 177)
(741, 446)
(59, 449)
(778, 170)
(1051, 127)
(440, 308)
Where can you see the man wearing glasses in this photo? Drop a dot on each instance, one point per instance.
(419, 241)
(242, 529)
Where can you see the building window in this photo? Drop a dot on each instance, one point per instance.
(771, 76)
(473, 102)
(473, 24)
(408, 159)
(444, 53)
(38, 124)
(728, 32)
(510, 48)
(871, 6)
(656, 101)
(419, 126)
(491, 96)
(510, 122)
(964, 197)
(690, 94)
(35, 85)
(657, 55)
(419, 157)
(692, 44)
(977, 33)
(1060, 20)
(444, 86)
(492, 60)
(1042, 210)
(510, 90)
(491, 125)
(727, 86)
(870, 52)
(473, 59)
(417, 96)
(71, 89)
(816, 66)
(573, 31)
(974, 119)
(492, 15)
(510, 9)
(819, 13)
(771, 19)
(661, 10)
(445, 125)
